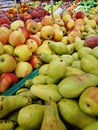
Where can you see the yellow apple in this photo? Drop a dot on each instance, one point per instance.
(66, 17)
(69, 24)
(65, 40)
(23, 69)
(1, 48)
(15, 24)
(58, 34)
(47, 20)
(16, 38)
(8, 49)
(3, 37)
(32, 45)
(22, 53)
(47, 32)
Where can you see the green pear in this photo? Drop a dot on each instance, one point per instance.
(51, 119)
(75, 56)
(45, 57)
(78, 43)
(88, 101)
(93, 126)
(73, 71)
(43, 70)
(89, 64)
(45, 92)
(73, 86)
(6, 124)
(39, 79)
(84, 51)
(95, 52)
(14, 116)
(70, 111)
(44, 48)
(20, 128)
(68, 58)
(58, 47)
(57, 68)
(25, 92)
(11, 103)
(30, 117)
(76, 64)
(71, 48)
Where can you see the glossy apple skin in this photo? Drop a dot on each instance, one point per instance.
(6, 80)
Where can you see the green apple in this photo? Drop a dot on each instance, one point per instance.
(9, 49)
(7, 63)
(1, 48)
(88, 101)
(23, 68)
(22, 53)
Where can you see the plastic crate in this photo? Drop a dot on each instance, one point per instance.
(20, 84)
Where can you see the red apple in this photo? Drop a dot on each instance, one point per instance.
(24, 31)
(6, 80)
(36, 38)
(34, 14)
(3, 37)
(5, 20)
(35, 61)
(79, 14)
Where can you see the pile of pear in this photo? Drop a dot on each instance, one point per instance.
(54, 98)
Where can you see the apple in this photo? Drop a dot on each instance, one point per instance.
(88, 101)
(16, 24)
(36, 38)
(66, 16)
(7, 63)
(23, 69)
(32, 45)
(34, 14)
(22, 53)
(16, 38)
(74, 33)
(7, 30)
(32, 26)
(59, 21)
(47, 32)
(39, 24)
(55, 25)
(27, 16)
(3, 37)
(96, 19)
(64, 30)
(5, 20)
(69, 24)
(6, 80)
(24, 31)
(65, 40)
(8, 49)
(1, 48)
(79, 14)
(35, 61)
(80, 27)
(47, 20)
(58, 34)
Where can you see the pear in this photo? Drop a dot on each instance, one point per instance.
(30, 117)
(73, 86)
(39, 79)
(68, 58)
(45, 92)
(73, 71)
(78, 43)
(14, 116)
(95, 52)
(70, 48)
(44, 47)
(89, 64)
(7, 124)
(93, 126)
(20, 128)
(58, 47)
(43, 70)
(75, 56)
(51, 119)
(76, 64)
(11, 103)
(84, 51)
(57, 68)
(25, 92)
(71, 112)
(45, 57)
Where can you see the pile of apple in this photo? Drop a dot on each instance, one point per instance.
(21, 43)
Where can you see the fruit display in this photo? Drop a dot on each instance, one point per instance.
(49, 72)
